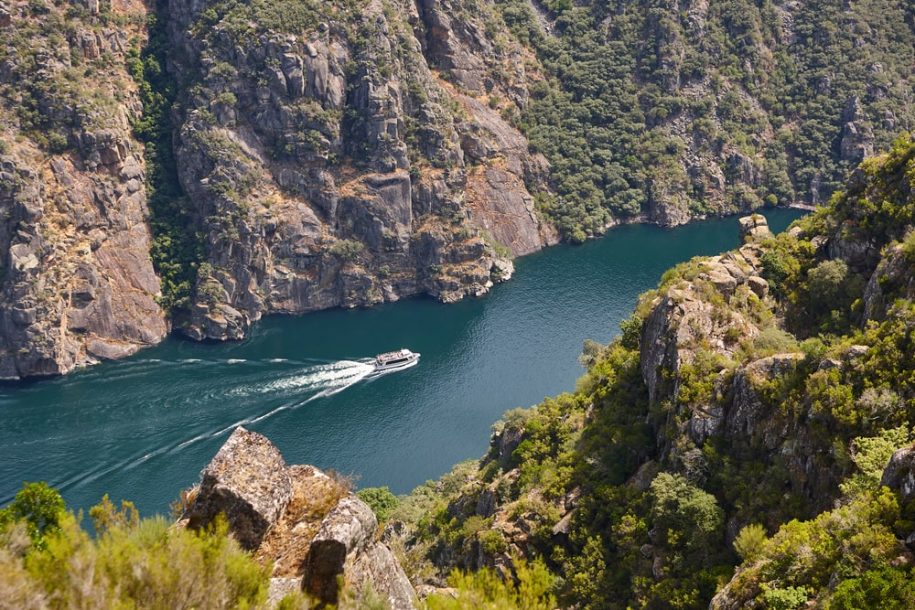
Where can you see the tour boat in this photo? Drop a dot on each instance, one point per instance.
(395, 361)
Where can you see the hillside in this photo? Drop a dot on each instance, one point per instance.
(192, 167)
(745, 418)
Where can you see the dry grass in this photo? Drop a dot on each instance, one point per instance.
(314, 495)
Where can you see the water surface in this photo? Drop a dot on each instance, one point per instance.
(142, 428)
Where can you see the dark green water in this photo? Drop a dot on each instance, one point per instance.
(143, 428)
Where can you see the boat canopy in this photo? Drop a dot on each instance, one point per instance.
(393, 356)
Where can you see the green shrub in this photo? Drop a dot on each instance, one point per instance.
(485, 590)
(773, 340)
(749, 541)
(381, 501)
(885, 588)
(130, 563)
(788, 598)
(37, 505)
(347, 249)
(825, 283)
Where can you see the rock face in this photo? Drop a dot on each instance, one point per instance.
(344, 545)
(315, 533)
(891, 280)
(330, 167)
(324, 163)
(348, 154)
(247, 481)
(754, 227)
(683, 317)
(899, 474)
(76, 281)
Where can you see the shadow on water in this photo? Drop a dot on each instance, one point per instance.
(142, 428)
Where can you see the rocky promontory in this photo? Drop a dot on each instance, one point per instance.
(319, 537)
(745, 442)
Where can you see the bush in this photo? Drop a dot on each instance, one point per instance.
(131, 563)
(590, 352)
(37, 505)
(684, 516)
(788, 598)
(631, 329)
(750, 541)
(381, 501)
(886, 588)
(773, 340)
(825, 283)
(346, 249)
(485, 590)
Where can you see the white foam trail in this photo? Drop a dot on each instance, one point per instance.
(235, 360)
(325, 379)
(312, 378)
(190, 441)
(277, 360)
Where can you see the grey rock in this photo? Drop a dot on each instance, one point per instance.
(758, 285)
(899, 474)
(247, 481)
(754, 228)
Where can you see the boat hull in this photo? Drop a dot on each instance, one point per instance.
(387, 368)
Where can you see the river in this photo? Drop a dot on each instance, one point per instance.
(142, 428)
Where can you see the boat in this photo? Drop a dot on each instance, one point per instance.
(395, 361)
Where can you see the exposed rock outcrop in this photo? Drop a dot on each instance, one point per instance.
(330, 167)
(754, 227)
(315, 532)
(891, 280)
(76, 281)
(899, 474)
(685, 318)
(248, 482)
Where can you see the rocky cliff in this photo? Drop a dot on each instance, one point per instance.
(330, 166)
(196, 165)
(748, 412)
(319, 538)
(76, 281)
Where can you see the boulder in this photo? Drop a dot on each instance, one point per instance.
(899, 474)
(344, 552)
(758, 285)
(754, 228)
(307, 525)
(378, 567)
(248, 482)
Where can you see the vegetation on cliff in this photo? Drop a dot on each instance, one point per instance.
(649, 108)
(737, 422)
(175, 249)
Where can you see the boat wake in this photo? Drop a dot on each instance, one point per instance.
(334, 376)
(293, 389)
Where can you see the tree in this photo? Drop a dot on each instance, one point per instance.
(750, 541)
(826, 281)
(683, 515)
(39, 506)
